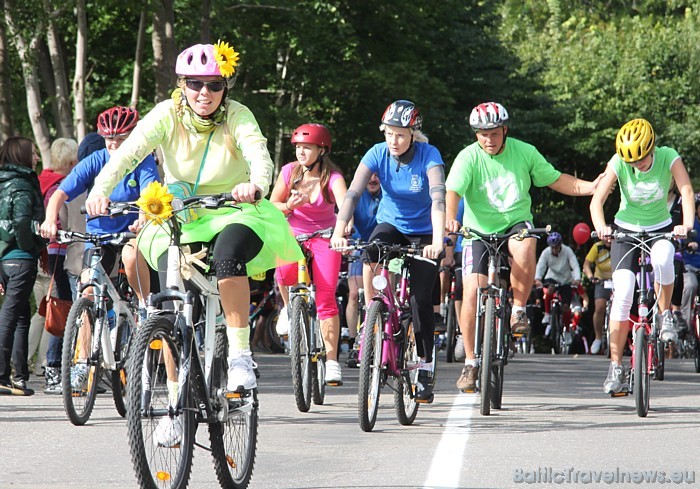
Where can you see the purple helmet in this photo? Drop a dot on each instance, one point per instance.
(197, 60)
(554, 239)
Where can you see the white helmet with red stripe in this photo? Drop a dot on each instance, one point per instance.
(488, 116)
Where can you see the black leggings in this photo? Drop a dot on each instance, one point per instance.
(423, 277)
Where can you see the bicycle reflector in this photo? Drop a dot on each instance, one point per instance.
(379, 282)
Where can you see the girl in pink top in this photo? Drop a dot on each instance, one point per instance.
(307, 191)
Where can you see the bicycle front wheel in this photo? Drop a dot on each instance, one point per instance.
(660, 360)
(404, 396)
(487, 356)
(79, 374)
(161, 434)
(300, 352)
(555, 330)
(642, 379)
(371, 366)
(234, 436)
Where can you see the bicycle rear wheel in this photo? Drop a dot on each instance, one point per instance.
(318, 386)
(234, 436)
(404, 396)
(79, 375)
(642, 379)
(450, 331)
(118, 377)
(487, 352)
(161, 458)
(371, 366)
(300, 351)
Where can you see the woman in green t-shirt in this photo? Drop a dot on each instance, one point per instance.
(644, 173)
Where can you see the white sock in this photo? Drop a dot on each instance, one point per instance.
(473, 362)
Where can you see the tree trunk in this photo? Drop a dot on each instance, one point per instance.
(205, 23)
(164, 50)
(6, 126)
(79, 76)
(64, 119)
(138, 60)
(27, 54)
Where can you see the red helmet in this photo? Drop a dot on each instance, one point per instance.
(116, 121)
(403, 113)
(317, 134)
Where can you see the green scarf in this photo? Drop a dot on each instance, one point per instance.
(191, 120)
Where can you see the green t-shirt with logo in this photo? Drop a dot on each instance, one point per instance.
(643, 194)
(496, 189)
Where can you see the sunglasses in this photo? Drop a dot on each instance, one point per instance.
(197, 85)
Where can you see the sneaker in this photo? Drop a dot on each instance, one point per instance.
(19, 388)
(545, 318)
(668, 331)
(519, 323)
(241, 371)
(168, 432)
(596, 346)
(79, 376)
(334, 376)
(282, 326)
(53, 380)
(353, 360)
(680, 323)
(467, 381)
(424, 386)
(616, 380)
(459, 353)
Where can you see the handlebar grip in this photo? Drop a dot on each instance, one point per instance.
(83, 210)
(594, 234)
(229, 196)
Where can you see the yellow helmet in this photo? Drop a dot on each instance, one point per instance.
(635, 140)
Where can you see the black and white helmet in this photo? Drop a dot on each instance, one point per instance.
(488, 116)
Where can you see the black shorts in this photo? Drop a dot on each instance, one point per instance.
(601, 292)
(475, 256)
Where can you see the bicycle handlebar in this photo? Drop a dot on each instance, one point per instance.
(322, 233)
(519, 234)
(64, 237)
(385, 248)
(639, 235)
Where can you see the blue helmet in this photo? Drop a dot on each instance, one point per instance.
(554, 239)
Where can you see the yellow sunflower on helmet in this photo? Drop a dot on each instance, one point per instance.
(155, 202)
(226, 57)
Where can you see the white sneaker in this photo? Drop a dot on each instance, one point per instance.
(282, 326)
(545, 318)
(595, 347)
(168, 432)
(334, 376)
(240, 371)
(668, 331)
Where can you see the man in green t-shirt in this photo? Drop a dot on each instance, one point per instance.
(494, 176)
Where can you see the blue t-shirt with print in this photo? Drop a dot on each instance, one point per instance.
(406, 201)
(82, 177)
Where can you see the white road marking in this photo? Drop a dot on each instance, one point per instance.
(448, 460)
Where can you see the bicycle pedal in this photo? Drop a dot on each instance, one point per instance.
(473, 390)
(620, 394)
(427, 400)
(233, 395)
(517, 336)
(335, 383)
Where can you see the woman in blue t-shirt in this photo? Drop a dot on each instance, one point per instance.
(412, 210)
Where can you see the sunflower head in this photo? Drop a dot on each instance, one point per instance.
(155, 202)
(226, 57)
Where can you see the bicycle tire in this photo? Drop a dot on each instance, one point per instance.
(119, 377)
(318, 388)
(555, 330)
(606, 329)
(369, 388)
(404, 395)
(79, 402)
(270, 325)
(157, 466)
(487, 351)
(234, 437)
(300, 352)
(642, 378)
(697, 356)
(660, 360)
(450, 331)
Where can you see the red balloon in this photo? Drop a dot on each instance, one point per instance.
(581, 233)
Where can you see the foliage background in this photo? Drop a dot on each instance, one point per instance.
(570, 72)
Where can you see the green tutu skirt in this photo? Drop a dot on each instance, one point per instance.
(279, 245)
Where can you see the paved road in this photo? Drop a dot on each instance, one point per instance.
(554, 418)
